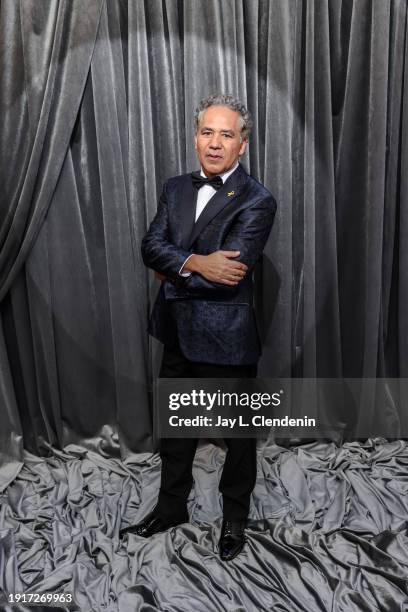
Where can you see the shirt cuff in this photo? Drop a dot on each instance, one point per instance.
(185, 274)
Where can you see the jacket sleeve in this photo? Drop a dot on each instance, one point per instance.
(248, 235)
(158, 252)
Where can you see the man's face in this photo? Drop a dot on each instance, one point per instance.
(218, 140)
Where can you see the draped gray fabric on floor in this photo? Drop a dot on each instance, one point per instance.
(328, 533)
(96, 102)
(325, 83)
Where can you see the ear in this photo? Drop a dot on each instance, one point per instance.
(195, 142)
(243, 147)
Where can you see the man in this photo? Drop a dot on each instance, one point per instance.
(209, 231)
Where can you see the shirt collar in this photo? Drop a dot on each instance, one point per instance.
(225, 175)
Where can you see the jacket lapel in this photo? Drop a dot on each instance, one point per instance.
(228, 192)
(188, 202)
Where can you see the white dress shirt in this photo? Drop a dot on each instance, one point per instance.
(204, 195)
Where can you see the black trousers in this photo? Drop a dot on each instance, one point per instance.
(177, 455)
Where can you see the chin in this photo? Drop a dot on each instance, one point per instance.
(215, 168)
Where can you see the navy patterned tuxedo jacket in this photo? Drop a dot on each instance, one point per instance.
(213, 323)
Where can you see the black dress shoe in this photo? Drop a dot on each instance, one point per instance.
(152, 524)
(232, 539)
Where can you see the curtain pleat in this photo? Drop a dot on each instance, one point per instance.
(57, 43)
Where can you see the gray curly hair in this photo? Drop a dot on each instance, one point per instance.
(230, 102)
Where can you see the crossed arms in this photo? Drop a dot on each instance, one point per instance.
(219, 271)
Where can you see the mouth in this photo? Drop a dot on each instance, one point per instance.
(213, 157)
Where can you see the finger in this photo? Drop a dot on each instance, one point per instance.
(237, 265)
(232, 277)
(230, 253)
(234, 271)
(225, 281)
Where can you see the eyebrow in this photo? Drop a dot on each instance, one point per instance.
(222, 131)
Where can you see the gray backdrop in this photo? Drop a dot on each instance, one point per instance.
(96, 113)
(97, 101)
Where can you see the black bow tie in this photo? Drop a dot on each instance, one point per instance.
(199, 181)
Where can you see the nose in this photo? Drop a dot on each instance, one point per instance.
(215, 142)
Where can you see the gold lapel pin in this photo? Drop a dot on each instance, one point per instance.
(230, 193)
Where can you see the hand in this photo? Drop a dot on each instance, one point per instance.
(159, 276)
(218, 267)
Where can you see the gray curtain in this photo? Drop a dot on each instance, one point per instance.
(96, 104)
(97, 100)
